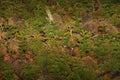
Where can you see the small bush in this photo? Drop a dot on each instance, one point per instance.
(7, 73)
(29, 72)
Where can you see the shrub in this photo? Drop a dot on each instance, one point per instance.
(29, 72)
(68, 68)
(85, 45)
(34, 45)
(7, 73)
(115, 20)
(102, 29)
(108, 50)
(82, 74)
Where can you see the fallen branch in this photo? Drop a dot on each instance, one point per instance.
(50, 17)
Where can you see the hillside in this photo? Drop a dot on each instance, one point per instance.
(59, 40)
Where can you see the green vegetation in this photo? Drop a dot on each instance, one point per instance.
(82, 42)
(7, 72)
